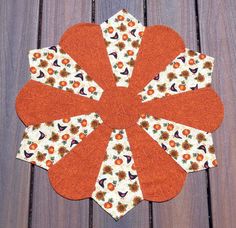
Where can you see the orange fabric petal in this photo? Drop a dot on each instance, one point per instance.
(161, 178)
(37, 103)
(85, 44)
(201, 109)
(74, 176)
(159, 46)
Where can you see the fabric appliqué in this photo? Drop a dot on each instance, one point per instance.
(91, 155)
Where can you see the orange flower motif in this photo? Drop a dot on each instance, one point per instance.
(135, 115)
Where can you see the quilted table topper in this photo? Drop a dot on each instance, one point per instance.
(119, 112)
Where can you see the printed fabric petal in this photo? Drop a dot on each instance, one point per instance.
(117, 189)
(190, 70)
(191, 148)
(46, 143)
(122, 34)
(54, 67)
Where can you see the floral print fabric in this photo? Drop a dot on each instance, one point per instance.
(46, 143)
(188, 71)
(191, 148)
(117, 189)
(123, 34)
(53, 67)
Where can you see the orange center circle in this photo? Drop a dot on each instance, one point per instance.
(119, 108)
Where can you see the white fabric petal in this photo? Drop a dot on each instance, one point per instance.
(46, 143)
(188, 71)
(117, 188)
(53, 67)
(191, 148)
(123, 34)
